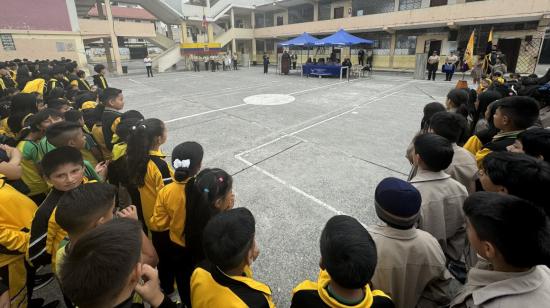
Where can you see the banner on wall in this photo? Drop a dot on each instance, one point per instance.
(200, 48)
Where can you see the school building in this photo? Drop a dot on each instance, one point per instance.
(400, 29)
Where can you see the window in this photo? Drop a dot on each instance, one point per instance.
(300, 13)
(405, 45)
(7, 42)
(338, 12)
(259, 20)
(438, 2)
(324, 10)
(409, 4)
(359, 7)
(380, 6)
(280, 20)
(269, 19)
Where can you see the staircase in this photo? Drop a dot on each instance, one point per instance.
(161, 41)
(167, 58)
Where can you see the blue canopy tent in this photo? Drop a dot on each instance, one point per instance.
(304, 40)
(342, 38)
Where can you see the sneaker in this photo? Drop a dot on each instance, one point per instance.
(41, 281)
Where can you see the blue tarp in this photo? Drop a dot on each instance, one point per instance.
(342, 38)
(303, 40)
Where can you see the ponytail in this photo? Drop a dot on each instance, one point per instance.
(140, 142)
(186, 160)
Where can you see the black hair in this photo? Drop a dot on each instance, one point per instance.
(429, 110)
(33, 122)
(22, 105)
(105, 97)
(523, 111)
(536, 142)
(202, 192)
(98, 68)
(84, 205)
(448, 125)
(57, 103)
(522, 175)
(228, 237)
(23, 76)
(140, 142)
(435, 151)
(459, 98)
(128, 120)
(187, 151)
(83, 97)
(80, 74)
(518, 229)
(348, 252)
(59, 70)
(97, 267)
(58, 157)
(484, 100)
(59, 134)
(56, 92)
(73, 115)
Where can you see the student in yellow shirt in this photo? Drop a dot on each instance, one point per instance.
(31, 134)
(148, 171)
(225, 280)
(348, 262)
(169, 213)
(91, 151)
(108, 116)
(16, 212)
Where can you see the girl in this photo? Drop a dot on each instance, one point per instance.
(479, 122)
(169, 213)
(22, 105)
(207, 194)
(35, 129)
(457, 102)
(148, 171)
(476, 142)
(108, 115)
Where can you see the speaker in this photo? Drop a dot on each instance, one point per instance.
(453, 35)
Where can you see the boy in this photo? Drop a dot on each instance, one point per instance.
(348, 262)
(517, 174)
(451, 126)
(99, 79)
(533, 142)
(71, 134)
(512, 235)
(59, 104)
(91, 151)
(83, 84)
(514, 115)
(16, 212)
(442, 197)
(63, 168)
(56, 81)
(113, 101)
(230, 247)
(411, 264)
(103, 269)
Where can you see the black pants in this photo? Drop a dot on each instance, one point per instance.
(162, 243)
(293, 65)
(431, 74)
(266, 66)
(361, 62)
(196, 66)
(206, 65)
(149, 71)
(235, 65)
(181, 264)
(449, 76)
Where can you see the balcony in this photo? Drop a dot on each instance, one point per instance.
(95, 28)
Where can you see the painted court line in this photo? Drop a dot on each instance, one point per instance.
(203, 113)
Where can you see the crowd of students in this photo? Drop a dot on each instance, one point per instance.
(225, 62)
(87, 196)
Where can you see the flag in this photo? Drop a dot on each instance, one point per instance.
(488, 49)
(469, 52)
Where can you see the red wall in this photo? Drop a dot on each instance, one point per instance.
(34, 14)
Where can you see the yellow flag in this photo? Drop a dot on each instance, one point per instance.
(469, 52)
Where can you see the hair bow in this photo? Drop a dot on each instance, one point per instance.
(181, 163)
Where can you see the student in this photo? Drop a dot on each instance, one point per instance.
(457, 100)
(208, 194)
(411, 265)
(512, 236)
(91, 151)
(148, 171)
(16, 212)
(61, 105)
(169, 213)
(88, 206)
(55, 80)
(110, 253)
(22, 106)
(533, 142)
(225, 280)
(71, 134)
(517, 174)
(463, 168)
(108, 113)
(479, 122)
(429, 110)
(348, 261)
(63, 169)
(442, 197)
(29, 148)
(149, 65)
(513, 115)
(99, 79)
(83, 84)
(476, 141)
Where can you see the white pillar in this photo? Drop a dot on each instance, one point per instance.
(396, 8)
(234, 46)
(232, 18)
(114, 41)
(253, 19)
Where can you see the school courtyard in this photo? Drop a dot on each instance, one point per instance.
(300, 149)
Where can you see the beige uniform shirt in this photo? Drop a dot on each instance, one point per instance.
(441, 213)
(411, 267)
(489, 289)
(463, 168)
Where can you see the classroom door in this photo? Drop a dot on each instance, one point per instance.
(432, 46)
(338, 12)
(510, 48)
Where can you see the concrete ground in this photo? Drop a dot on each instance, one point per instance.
(294, 165)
